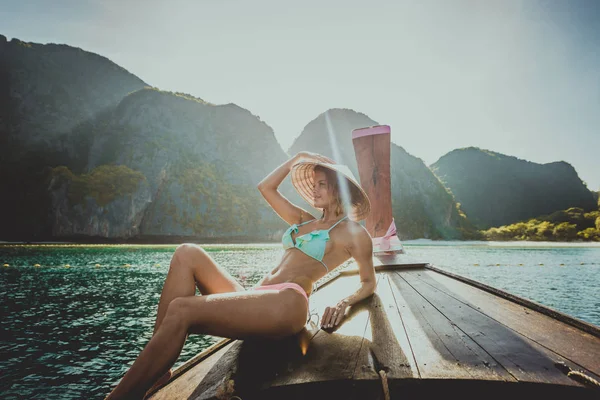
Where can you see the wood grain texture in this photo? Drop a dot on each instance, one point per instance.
(523, 358)
(571, 343)
(559, 316)
(386, 346)
(440, 348)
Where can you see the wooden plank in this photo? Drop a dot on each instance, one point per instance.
(395, 259)
(388, 266)
(204, 354)
(582, 325)
(523, 358)
(330, 357)
(441, 350)
(386, 341)
(570, 342)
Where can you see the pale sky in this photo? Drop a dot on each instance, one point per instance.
(520, 78)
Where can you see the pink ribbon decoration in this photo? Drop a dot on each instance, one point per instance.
(384, 243)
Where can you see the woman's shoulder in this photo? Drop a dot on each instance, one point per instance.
(354, 233)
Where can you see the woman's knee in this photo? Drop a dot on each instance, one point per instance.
(189, 254)
(177, 311)
(190, 250)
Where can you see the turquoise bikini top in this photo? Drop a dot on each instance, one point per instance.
(312, 244)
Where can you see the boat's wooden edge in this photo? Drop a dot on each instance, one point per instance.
(577, 323)
(352, 269)
(192, 362)
(401, 388)
(204, 354)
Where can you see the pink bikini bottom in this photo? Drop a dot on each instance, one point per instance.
(283, 286)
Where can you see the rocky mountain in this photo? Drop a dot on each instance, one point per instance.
(50, 89)
(89, 151)
(421, 205)
(48, 93)
(495, 189)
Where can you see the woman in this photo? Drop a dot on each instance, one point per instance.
(279, 305)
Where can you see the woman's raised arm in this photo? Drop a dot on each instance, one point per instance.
(268, 187)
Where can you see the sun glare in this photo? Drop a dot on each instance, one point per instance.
(343, 184)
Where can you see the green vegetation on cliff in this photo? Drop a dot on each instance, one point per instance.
(209, 201)
(103, 184)
(569, 225)
(146, 90)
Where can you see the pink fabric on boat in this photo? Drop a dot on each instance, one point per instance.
(374, 130)
(384, 243)
(389, 242)
(283, 286)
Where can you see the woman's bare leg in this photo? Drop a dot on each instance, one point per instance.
(192, 266)
(266, 313)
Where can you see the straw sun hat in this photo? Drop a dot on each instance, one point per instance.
(303, 181)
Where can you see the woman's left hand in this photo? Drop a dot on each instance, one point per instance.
(333, 315)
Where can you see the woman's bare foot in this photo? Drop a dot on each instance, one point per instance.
(160, 382)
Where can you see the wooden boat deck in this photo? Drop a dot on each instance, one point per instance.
(427, 331)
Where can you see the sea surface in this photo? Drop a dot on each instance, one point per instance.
(73, 325)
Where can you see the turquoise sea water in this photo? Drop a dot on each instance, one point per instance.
(72, 332)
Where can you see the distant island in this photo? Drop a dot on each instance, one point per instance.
(573, 224)
(91, 153)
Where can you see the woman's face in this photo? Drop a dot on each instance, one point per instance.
(322, 194)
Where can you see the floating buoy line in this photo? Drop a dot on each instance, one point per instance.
(498, 264)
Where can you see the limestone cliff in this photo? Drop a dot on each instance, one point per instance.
(89, 150)
(200, 164)
(48, 95)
